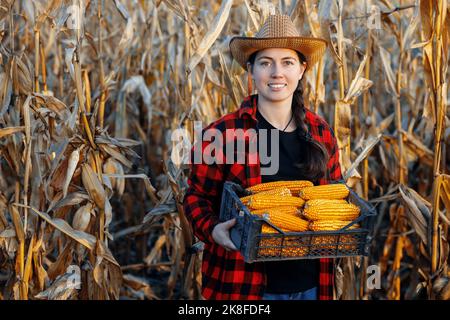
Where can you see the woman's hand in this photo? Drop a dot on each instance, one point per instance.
(221, 234)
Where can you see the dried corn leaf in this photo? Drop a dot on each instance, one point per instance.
(82, 217)
(426, 17)
(358, 84)
(327, 14)
(51, 102)
(159, 210)
(139, 284)
(116, 155)
(72, 199)
(386, 62)
(85, 239)
(127, 36)
(156, 249)
(122, 9)
(4, 132)
(418, 212)
(213, 32)
(151, 191)
(59, 290)
(17, 222)
(369, 145)
(108, 213)
(343, 123)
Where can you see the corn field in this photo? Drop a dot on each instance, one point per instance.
(91, 90)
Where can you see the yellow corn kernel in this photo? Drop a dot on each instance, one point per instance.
(268, 201)
(342, 242)
(321, 202)
(268, 229)
(321, 210)
(288, 222)
(323, 225)
(327, 191)
(294, 251)
(348, 242)
(294, 186)
(270, 247)
(289, 210)
(274, 192)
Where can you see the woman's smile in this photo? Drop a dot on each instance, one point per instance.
(277, 86)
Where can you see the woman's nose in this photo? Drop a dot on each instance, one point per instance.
(276, 70)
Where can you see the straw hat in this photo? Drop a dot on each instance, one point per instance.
(277, 32)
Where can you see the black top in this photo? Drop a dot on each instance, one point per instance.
(291, 275)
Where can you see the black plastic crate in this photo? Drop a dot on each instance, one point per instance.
(256, 246)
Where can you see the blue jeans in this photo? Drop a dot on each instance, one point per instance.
(310, 294)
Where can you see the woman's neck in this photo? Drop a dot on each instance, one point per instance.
(277, 114)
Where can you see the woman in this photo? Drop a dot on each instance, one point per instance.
(276, 59)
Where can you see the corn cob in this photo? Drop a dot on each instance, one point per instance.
(281, 192)
(326, 202)
(288, 222)
(323, 210)
(268, 201)
(288, 210)
(294, 186)
(328, 191)
(268, 229)
(321, 225)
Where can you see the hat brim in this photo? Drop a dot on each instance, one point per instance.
(243, 47)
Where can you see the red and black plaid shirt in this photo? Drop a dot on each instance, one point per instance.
(225, 275)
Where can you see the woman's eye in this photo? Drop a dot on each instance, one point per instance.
(264, 63)
(289, 63)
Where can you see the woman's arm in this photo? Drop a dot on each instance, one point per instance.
(205, 185)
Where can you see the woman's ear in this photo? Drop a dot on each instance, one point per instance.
(303, 69)
(301, 75)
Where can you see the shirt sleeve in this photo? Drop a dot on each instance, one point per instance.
(205, 187)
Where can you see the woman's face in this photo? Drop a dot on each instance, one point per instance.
(276, 72)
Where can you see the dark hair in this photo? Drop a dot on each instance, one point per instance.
(316, 155)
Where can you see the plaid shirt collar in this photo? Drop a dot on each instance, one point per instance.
(249, 106)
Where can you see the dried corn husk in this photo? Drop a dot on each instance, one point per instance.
(82, 217)
(93, 186)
